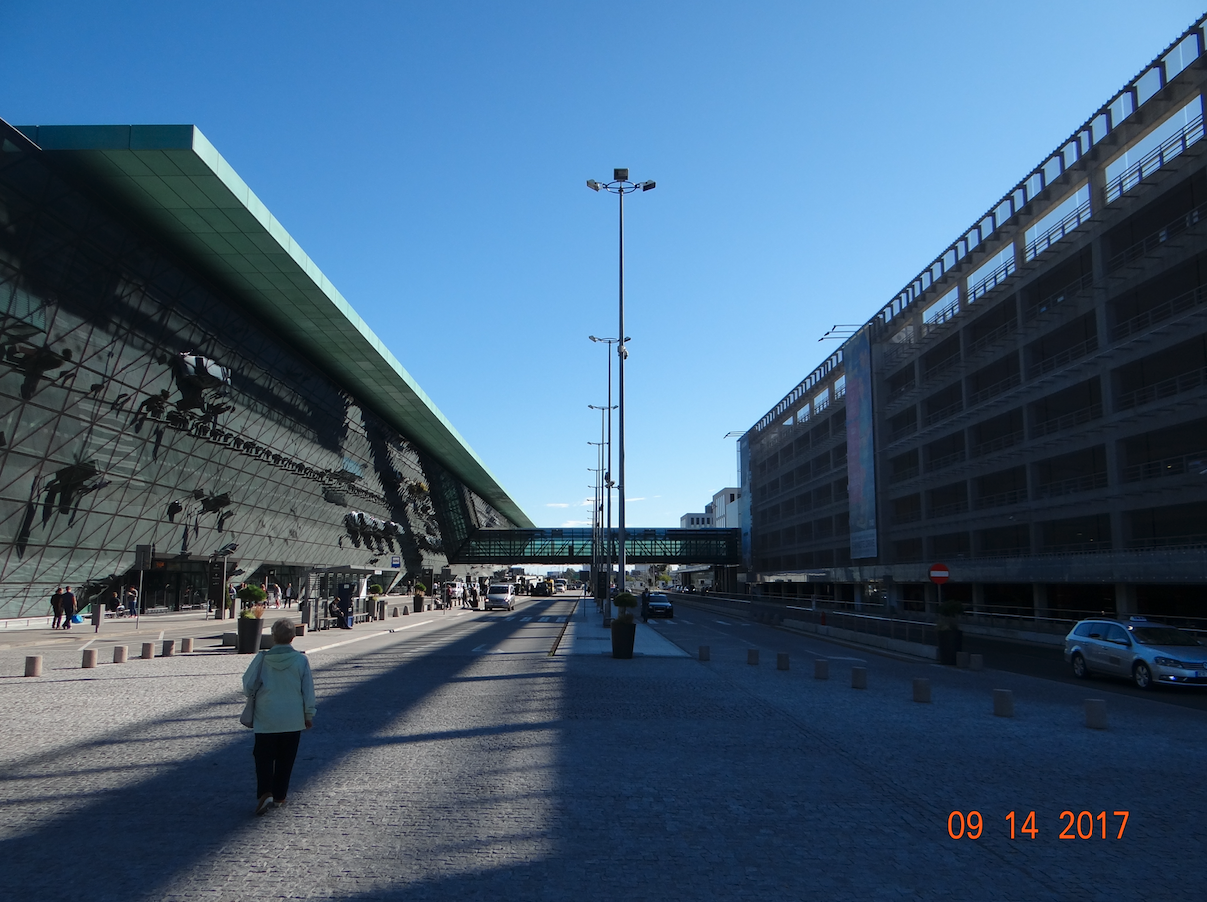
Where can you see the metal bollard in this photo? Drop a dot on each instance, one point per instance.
(752, 656)
(33, 665)
(169, 648)
(961, 659)
(859, 678)
(186, 646)
(89, 661)
(148, 651)
(1003, 703)
(705, 653)
(1095, 713)
(821, 668)
(781, 660)
(119, 654)
(921, 689)
(976, 662)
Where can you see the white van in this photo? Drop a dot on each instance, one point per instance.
(500, 595)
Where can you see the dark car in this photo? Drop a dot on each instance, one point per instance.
(657, 605)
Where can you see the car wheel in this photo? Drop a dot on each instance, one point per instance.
(1079, 669)
(1142, 676)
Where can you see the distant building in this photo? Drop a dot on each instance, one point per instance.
(697, 521)
(727, 508)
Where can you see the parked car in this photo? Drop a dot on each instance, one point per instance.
(500, 595)
(1145, 651)
(657, 605)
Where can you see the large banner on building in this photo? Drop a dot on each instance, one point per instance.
(861, 449)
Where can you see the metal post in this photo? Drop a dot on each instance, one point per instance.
(621, 353)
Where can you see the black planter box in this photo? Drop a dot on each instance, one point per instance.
(623, 635)
(250, 630)
(949, 644)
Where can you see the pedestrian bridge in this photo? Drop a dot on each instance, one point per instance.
(574, 546)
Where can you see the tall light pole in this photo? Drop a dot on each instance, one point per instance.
(608, 481)
(620, 186)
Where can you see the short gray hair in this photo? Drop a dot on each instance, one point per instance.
(282, 631)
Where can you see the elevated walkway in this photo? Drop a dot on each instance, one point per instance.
(574, 546)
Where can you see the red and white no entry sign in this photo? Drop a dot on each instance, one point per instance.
(939, 574)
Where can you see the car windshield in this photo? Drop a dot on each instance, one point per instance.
(498, 590)
(662, 598)
(1163, 635)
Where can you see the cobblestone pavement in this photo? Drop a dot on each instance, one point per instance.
(454, 761)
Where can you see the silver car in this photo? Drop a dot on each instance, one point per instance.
(1137, 648)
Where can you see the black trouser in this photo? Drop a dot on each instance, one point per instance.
(274, 754)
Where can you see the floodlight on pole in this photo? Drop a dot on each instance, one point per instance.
(620, 186)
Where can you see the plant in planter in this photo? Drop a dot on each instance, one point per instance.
(624, 629)
(420, 589)
(950, 635)
(378, 612)
(250, 623)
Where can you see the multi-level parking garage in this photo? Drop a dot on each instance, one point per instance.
(1031, 409)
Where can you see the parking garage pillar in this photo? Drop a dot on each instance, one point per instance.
(858, 587)
(978, 597)
(1125, 599)
(1039, 599)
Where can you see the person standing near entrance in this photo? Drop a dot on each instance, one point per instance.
(284, 707)
(68, 608)
(289, 595)
(56, 608)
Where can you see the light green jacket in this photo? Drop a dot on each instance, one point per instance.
(285, 701)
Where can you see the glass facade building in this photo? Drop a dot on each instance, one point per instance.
(176, 373)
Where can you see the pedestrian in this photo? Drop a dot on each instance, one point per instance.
(56, 607)
(289, 596)
(68, 608)
(284, 707)
(131, 602)
(276, 595)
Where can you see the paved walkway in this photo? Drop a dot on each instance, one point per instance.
(437, 771)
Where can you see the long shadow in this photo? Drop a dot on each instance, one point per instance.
(132, 841)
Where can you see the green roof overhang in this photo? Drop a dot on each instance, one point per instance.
(178, 182)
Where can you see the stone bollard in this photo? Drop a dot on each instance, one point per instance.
(821, 668)
(148, 651)
(921, 689)
(961, 659)
(781, 660)
(33, 665)
(119, 654)
(406, 612)
(89, 661)
(976, 662)
(1003, 703)
(169, 648)
(752, 656)
(705, 653)
(186, 646)
(299, 630)
(1095, 713)
(395, 614)
(859, 678)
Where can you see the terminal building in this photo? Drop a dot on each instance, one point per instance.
(1031, 409)
(177, 374)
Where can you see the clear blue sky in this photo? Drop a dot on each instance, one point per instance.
(431, 158)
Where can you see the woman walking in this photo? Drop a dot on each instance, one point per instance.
(283, 687)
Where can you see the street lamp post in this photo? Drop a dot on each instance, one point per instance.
(620, 186)
(606, 480)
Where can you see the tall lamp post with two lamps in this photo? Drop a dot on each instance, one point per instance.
(620, 186)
